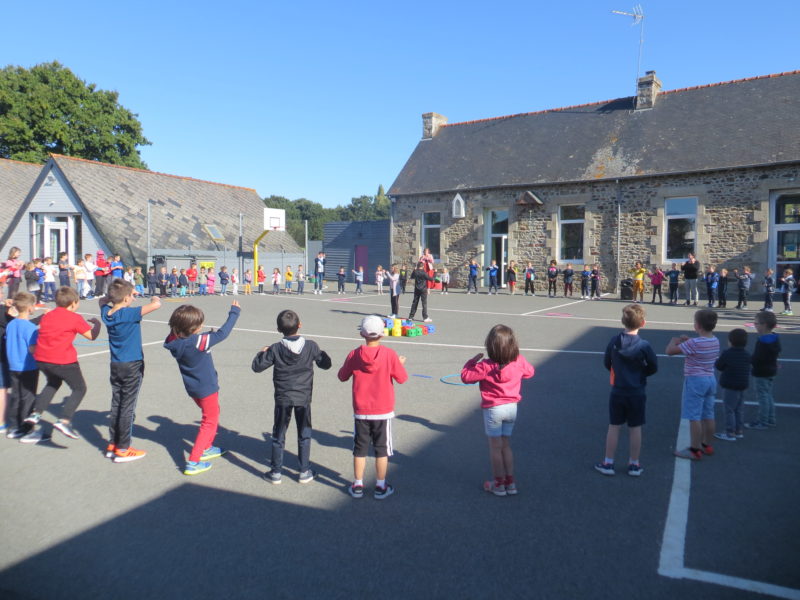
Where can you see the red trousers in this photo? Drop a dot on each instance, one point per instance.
(208, 425)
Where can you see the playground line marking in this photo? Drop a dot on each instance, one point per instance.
(673, 545)
(106, 351)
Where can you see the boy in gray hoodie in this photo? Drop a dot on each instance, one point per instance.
(631, 360)
(293, 376)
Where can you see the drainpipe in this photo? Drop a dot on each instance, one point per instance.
(619, 229)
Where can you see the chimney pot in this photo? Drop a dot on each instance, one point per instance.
(647, 91)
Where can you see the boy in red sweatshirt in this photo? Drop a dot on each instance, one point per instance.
(373, 368)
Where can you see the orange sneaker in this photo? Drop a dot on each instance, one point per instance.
(128, 455)
(110, 450)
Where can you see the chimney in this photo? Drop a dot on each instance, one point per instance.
(431, 122)
(647, 90)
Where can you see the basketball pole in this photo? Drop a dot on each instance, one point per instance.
(255, 248)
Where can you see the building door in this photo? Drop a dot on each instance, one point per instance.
(360, 259)
(785, 234)
(496, 240)
(54, 233)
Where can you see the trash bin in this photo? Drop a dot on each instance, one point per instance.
(626, 289)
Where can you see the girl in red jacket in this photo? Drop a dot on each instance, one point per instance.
(500, 378)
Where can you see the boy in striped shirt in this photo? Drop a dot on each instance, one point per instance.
(699, 384)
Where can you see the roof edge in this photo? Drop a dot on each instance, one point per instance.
(97, 162)
(601, 102)
(22, 162)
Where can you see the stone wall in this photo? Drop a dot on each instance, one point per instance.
(732, 225)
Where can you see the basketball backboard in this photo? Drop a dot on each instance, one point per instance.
(274, 219)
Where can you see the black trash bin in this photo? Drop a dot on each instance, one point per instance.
(626, 289)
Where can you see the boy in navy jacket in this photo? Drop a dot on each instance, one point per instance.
(192, 350)
(631, 360)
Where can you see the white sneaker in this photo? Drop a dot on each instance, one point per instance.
(428, 320)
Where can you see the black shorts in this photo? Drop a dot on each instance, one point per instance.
(378, 431)
(626, 407)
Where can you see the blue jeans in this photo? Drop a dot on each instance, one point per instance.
(473, 283)
(766, 402)
(734, 401)
(223, 289)
(318, 280)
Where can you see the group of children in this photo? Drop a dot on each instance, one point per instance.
(590, 279)
(716, 284)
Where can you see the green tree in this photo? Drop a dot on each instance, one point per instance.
(48, 109)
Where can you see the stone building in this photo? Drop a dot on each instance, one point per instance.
(713, 170)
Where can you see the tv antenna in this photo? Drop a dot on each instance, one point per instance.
(638, 19)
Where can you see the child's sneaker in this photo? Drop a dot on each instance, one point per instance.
(121, 456)
(212, 452)
(274, 477)
(20, 431)
(356, 491)
(725, 436)
(110, 449)
(707, 449)
(34, 436)
(66, 429)
(739, 435)
(33, 418)
(757, 425)
(307, 476)
(688, 453)
(384, 492)
(493, 488)
(605, 468)
(635, 470)
(511, 489)
(194, 468)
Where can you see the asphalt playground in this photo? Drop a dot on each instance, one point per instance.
(75, 525)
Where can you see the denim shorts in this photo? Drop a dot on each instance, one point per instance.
(499, 420)
(699, 394)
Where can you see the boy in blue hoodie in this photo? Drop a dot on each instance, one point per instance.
(192, 350)
(765, 368)
(631, 360)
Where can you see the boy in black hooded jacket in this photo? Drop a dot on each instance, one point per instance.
(631, 360)
(293, 358)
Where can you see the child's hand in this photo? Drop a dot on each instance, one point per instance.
(155, 300)
(477, 357)
(265, 348)
(235, 303)
(402, 359)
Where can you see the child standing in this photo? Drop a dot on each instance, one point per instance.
(261, 277)
(595, 294)
(32, 281)
(373, 368)
(444, 277)
(191, 276)
(116, 267)
(656, 278)
(359, 280)
(301, 280)
(631, 360)
(403, 279)
(79, 271)
(224, 279)
(50, 271)
(699, 384)
(235, 282)
(294, 358)
(379, 279)
(123, 323)
(63, 269)
(138, 281)
(152, 282)
(769, 288)
(722, 289)
(91, 267)
(568, 274)
(472, 283)
(500, 378)
(734, 364)
(192, 350)
(586, 277)
(712, 283)
(786, 285)
(183, 283)
(163, 281)
(511, 277)
(202, 282)
(530, 279)
(57, 359)
(248, 283)
(552, 278)
(173, 282)
(394, 292)
(638, 272)
(340, 278)
(276, 281)
(289, 277)
(211, 279)
(493, 270)
(765, 368)
(20, 335)
(673, 275)
(743, 282)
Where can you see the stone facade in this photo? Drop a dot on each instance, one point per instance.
(732, 221)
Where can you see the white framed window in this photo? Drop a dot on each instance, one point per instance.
(458, 207)
(571, 220)
(431, 230)
(680, 216)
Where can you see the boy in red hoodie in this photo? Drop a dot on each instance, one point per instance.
(373, 368)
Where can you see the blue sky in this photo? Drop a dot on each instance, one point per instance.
(323, 100)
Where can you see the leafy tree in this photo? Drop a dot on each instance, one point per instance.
(48, 109)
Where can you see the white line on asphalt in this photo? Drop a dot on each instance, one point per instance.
(533, 312)
(673, 544)
(106, 351)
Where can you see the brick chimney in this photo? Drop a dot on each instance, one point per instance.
(431, 122)
(648, 89)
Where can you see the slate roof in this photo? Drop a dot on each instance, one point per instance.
(739, 123)
(16, 180)
(116, 200)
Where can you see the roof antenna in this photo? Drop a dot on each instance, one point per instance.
(638, 19)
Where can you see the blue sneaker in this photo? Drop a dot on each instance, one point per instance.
(194, 468)
(605, 468)
(212, 452)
